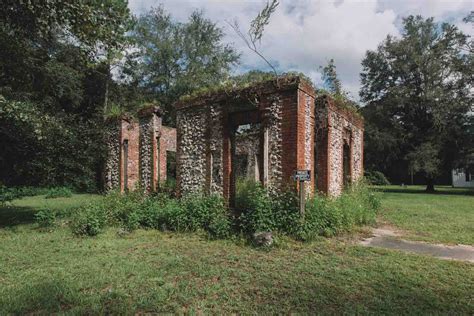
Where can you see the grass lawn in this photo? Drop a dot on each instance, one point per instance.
(446, 216)
(151, 271)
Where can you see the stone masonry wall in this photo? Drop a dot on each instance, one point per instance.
(298, 131)
(191, 155)
(147, 135)
(112, 164)
(274, 125)
(335, 158)
(309, 138)
(143, 159)
(215, 154)
(339, 122)
(357, 153)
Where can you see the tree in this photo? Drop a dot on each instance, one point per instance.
(172, 59)
(330, 78)
(88, 23)
(254, 35)
(418, 91)
(51, 88)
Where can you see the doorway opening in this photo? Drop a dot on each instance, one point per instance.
(246, 148)
(346, 164)
(125, 165)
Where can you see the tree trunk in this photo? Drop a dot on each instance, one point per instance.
(106, 94)
(430, 185)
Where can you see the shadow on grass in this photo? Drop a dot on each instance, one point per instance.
(418, 190)
(16, 215)
(404, 294)
(59, 296)
(38, 298)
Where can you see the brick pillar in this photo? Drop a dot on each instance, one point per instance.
(290, 140)
(149, 126)
(129, 133)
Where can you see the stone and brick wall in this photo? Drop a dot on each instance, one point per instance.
(295, 133)
(112, 165)
(338, 126)
(129, 131)
(145, 160)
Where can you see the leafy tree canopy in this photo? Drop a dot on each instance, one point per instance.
(86, 22)
(173, 59)
(418, 91)
(51, 88)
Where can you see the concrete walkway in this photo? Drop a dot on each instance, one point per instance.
(390, 239)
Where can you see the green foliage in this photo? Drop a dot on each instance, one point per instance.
(58, 192)
(45, 149)
(8, 194)
(417, 116)
(89, 220)
(330, 78)
(52, 80)
(328, 217)
(45, 218)
(88, 22)
(254, 205)
(174, 59)
(261, 211)
(134, 210)
(376, 178)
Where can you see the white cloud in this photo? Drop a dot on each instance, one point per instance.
(304, 34)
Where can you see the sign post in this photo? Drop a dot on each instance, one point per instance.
(302, 176)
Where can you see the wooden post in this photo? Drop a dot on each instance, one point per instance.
(302, 198)
(158, 162)
(125, 165)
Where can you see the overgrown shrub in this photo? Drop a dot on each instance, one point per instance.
(7, 194)
(45, 218)
(89, 220)
(257, 210)
(376, 178)
(330, 216)
(254, 206)
(58, 192)
(133, 210)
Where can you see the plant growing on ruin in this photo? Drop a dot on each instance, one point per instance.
(254, 35)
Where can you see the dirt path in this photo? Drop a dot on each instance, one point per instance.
(387, 237)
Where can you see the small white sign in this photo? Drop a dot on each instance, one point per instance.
(302, 175)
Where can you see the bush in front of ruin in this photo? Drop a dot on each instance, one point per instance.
(256, 210)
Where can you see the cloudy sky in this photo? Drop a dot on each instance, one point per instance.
(305, 34)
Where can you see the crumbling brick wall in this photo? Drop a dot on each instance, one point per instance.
(134, 156)
(129, 132)
(337, 126)
(293, 131)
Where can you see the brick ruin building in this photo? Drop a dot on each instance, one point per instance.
(138, 151)
(267, 131)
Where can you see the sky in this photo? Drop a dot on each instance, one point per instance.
(305, 34)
